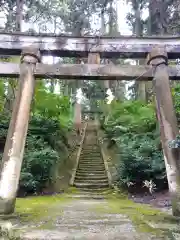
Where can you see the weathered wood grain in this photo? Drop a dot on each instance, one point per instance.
(69, 46)
(89, 71)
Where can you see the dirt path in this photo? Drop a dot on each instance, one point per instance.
(88, 219)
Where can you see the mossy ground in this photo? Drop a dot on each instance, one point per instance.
(144, 217)
(72, 190)
(37, 210)
(41, 212)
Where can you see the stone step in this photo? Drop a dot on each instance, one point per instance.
(93, 177)
(105, 180)
(91, 170)
(91, 185)
(91, 160)
(100, 165)
(93, 143)
(98, 172)
(97, 150)
(88, 190)
(89, 156)
(92, 163)
(92, 153)
(91, 149)
(86, 165)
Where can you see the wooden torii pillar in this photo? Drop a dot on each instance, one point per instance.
(17, 132)
(167, 122)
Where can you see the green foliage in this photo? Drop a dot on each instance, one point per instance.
(176, 98)
(50, 105)
(46, 143)
(140, 160)
(137, 117)
(132, 126)
(45, 146)
(36, 169)
(2, 89)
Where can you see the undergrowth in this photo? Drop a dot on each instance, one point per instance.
(132, 126)
(47, 141)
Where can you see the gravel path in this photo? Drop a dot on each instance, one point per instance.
(81, 221)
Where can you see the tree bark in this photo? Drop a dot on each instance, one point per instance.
(141, 88)
(168, 124)
(19, 14)
(17, 132)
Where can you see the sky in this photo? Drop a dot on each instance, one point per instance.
(122, 10)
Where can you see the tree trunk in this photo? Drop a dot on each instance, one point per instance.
(19, 14)
(141, 89)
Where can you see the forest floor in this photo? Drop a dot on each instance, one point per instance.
(64, 217)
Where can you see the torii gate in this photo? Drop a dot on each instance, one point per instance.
(30, 48)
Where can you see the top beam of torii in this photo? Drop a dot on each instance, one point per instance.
(70, 46)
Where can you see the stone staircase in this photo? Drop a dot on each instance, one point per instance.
(91, 176)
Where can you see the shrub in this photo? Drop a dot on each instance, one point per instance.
(132, 126)
(45, 146)
(140, 160)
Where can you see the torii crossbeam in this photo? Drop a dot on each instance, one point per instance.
(70, 46)
(89, 71)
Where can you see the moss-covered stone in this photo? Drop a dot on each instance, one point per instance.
(7, 206)
(36, 212)
(36, 208)
(144, 217)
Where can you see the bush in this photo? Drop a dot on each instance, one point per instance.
(132, 126)
(140, 160)
(45, 146)
(37, 165)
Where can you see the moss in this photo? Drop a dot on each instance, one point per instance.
(140, 214)
(72, 190)
(35, 210)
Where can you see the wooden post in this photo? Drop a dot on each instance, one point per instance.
(17, 132)
(168, 123)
